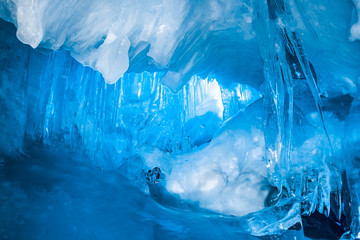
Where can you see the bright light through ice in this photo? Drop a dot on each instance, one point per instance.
(206, 93)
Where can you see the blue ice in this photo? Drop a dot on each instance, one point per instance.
(179, 119)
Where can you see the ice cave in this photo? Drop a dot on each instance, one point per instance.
(179, 119)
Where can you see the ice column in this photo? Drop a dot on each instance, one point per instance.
(352, 160)
(290, 83)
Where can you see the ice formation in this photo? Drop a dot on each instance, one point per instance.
(228, 175)
(249, 108)
(109, 34)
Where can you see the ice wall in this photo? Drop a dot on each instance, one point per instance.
(301, 55)
(55, 99)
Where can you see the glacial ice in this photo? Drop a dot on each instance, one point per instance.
(228, 175)
(101, 36)
(355, 28)
(249, 108)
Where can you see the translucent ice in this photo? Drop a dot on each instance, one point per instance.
(185, 77)
(355, 28)
(100, 33)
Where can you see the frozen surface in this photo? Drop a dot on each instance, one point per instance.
(250, 108)
(228, 175)
(44, 199)
(55, 195)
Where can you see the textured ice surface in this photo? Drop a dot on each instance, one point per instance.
(353, 165)
(355, 28)
(100, 33)
(182, 69)
(55, 195)
(229, 174)
(53, 97)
